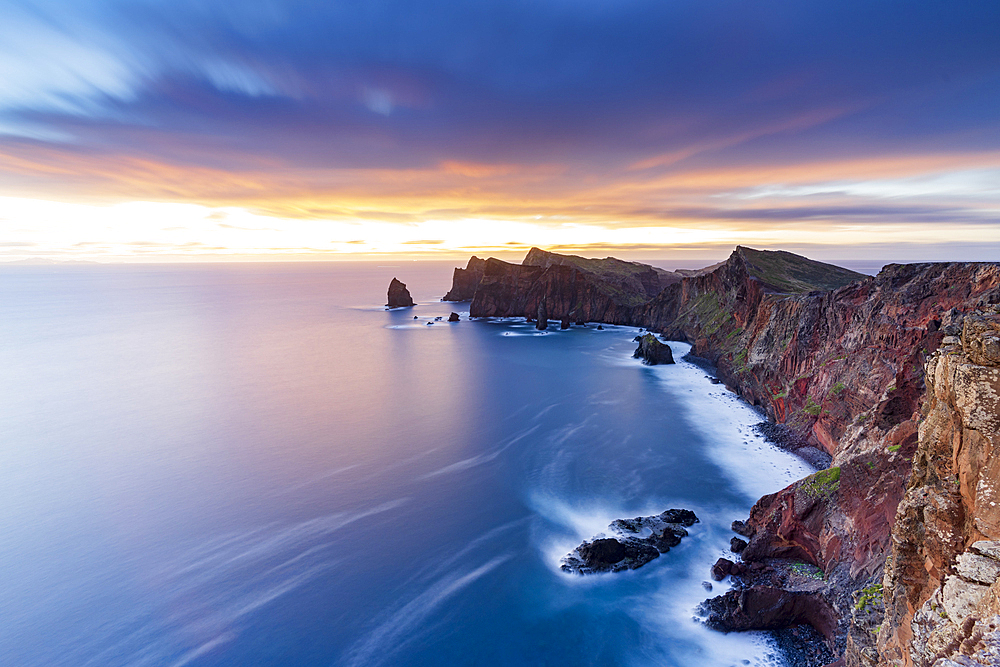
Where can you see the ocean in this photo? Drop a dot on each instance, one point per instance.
(258, 464)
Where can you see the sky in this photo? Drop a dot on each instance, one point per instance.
(323, 129)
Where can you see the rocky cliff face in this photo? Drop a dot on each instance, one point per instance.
(465, 281)
(941, 589)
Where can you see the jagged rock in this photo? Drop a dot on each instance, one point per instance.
(564, 324)
(769, 608)
(453, 317)
(542, 316)
(989, 548)
(653, 352)
(737, 545)
(742, 528)
(600, 328)
(722, 569)
(465, 281)
(951, 501)
(399, 296)
(979, 569)
(635, 542)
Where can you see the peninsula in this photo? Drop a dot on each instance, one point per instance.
(895, 377)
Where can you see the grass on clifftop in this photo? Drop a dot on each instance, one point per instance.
(789, 273)
(822, 483)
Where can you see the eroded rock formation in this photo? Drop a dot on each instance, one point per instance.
(652, 351)
(632, 543)
(465, 281)
(399, 296)
(941, 589)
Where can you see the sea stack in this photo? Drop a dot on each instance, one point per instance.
(653, 352)
(543, 316)
(399, 296)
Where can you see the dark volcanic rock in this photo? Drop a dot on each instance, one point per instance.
(769, 608)
(465, 281)
(399, 296)
(453, 317)
(653, 352)
(635, 542)
(742, 528)
(542, 316)
(722, 569)
(737, 545)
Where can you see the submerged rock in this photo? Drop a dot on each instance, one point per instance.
(399, 296)
(634, 542)
(653, 352)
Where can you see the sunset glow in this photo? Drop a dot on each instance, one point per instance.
(316, 133)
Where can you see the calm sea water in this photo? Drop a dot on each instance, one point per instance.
(259, 465)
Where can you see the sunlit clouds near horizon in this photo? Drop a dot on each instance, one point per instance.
(144, 130)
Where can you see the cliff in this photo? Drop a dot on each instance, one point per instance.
(837, 361)
(569, 288)
(941, 592)
(465, 281)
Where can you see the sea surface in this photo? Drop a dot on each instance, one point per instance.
(260, 465)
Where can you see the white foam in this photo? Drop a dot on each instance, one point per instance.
(752, 464)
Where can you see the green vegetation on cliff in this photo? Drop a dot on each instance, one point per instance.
(788, 273)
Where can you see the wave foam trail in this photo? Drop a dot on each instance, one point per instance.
(755, 466)
(199, 601)
(400, 627)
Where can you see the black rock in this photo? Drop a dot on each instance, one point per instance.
(653, 352)
(707, 585)
(722, 569)
(600, 328)
(453, 317)
(564, 324)
(414, 317)
(737, 545)
(543, 316)
(635, 542)
(742, 528)
(399, 296)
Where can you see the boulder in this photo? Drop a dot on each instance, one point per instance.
(769, 608)
(653, 352)
(632, 544)
(722, 569)
(399, 296)
(737, 545)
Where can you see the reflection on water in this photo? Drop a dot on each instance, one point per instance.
(232, 465)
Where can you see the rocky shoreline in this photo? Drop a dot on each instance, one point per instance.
(889, 382)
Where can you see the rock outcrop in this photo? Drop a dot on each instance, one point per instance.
(652, 351)
(399, 296)
(632, 544)
(453, 317)
(465, 281)
(941, 589)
